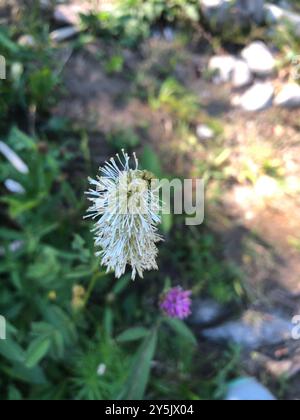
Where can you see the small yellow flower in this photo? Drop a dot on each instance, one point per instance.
(78, 299)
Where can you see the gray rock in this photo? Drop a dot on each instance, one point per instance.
(259, 58)
(276, 14)
(27, 41)
(248, 389)
(63, 34)
(204, 132)
(254, 330)
(169, 34)
(241, 75)
(289, 96)
(207, 312)
(222, 12)
(258, 97)
(252, 8)
(222, 67)
(46, 5)
(69, 14)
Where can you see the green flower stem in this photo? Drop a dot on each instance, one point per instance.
(96, 276)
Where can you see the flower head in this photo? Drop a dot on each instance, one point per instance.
(127, 213)
(176, 303)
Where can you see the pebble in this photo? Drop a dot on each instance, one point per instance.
(258, 97)
(289, 96)
(259, 58)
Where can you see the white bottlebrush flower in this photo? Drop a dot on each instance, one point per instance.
(127, 209)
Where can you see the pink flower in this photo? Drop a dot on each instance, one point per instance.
(176, 303)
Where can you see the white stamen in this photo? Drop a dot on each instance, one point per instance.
(126, 230)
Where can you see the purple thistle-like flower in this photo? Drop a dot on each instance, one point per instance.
(176, 303)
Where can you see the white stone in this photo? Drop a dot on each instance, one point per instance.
(212, 3)
(289, 96)
(241, 75)
(259, 58)
(14, 186)
(68, 14)
(101, 369)
(63, 34)
(13, 158)
(222, 66)
(27, 41)
(204, 132)
(273, 13)
(258, 97)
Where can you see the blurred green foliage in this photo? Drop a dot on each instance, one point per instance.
(133, 20)
(177, 100)
(31, 78)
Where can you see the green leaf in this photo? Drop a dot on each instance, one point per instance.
(166, 222)
(132, 334)
(121, 284)
(181, 329)
(140, 371)
(34, 376)
(6, 43)
(14, 394)
(19, 141)
(41, 84)
(36, 351)
(150, 162)
(108, 321)
(11, 350)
